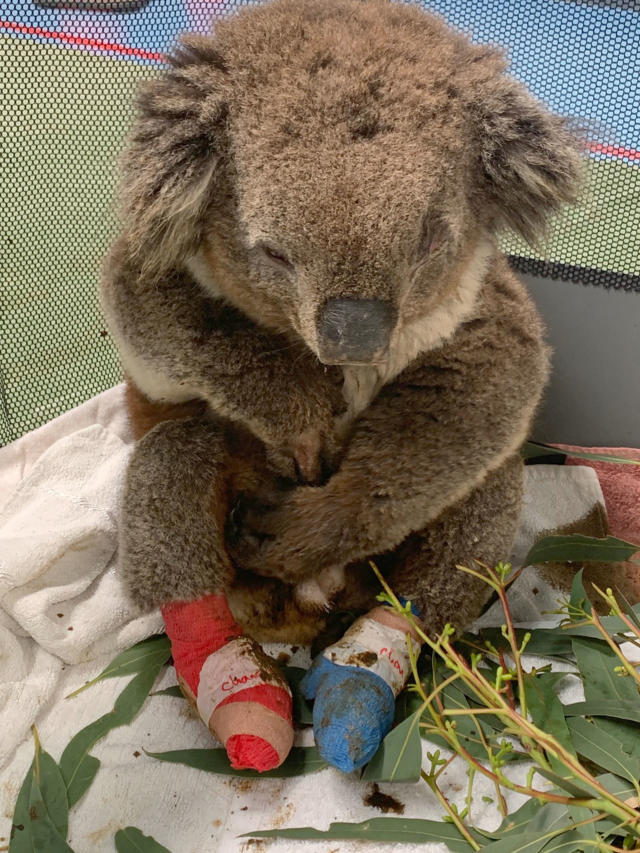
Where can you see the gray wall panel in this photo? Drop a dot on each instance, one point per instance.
(593, 397)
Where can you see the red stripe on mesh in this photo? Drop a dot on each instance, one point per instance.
(83, 41)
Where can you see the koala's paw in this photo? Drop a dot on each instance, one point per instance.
(314, 595)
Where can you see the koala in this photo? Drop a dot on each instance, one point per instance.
(328, 358)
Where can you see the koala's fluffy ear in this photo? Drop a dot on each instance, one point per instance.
(530, 162)
(174, 151)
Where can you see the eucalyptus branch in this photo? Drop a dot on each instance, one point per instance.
(451, 811)
(495, 698)
(611, 600)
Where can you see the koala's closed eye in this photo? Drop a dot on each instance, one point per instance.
(275, 256)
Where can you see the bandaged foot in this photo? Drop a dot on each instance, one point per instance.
(238, 691)
(355, 683)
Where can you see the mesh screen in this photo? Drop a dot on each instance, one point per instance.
(70, 70)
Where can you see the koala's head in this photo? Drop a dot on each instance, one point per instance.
(338, 168)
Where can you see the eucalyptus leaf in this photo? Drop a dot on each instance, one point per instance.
(391, 829)
(524, 842)
(546, 642)
(575, 787)
(579, 597)
(78, 768)
(568, 842)
(577, 548)
(20, 829)
(627, 735)
(454, 697)
(407, 704)
(300, 761)
(522, 817)
(169, 691)
(595, 744)
(131, 840)
(44, 775)
(618, 709)
(467, 726)
(53, 790)
(399, 758)
(532, 449)
(621, 789)
(547, 711)
(632, 612)
(44, 835)
(146, 653)
(597, 663)
(302, 713)
(536, 450)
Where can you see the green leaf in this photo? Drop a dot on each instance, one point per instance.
(131, 840)
(532, 449)
(44, 835)
(626, 734)
(580, 549)
(546, 642)
(146, 653)
(615, 708)
(392, 829)
(579, 597)
(522, 817)
(300, 761)
(621, 789)
(54, 792)
(632, 612)
(20, 829)
(545, 706)
(407, 704)
(302, 713)
(78, 768)
(539, 819)
(524, 842)
(597, 662)
(568, 842)
(453, 698)
(595, 744)
(399, 758)
(575, 787)
(547, 711)
(44, 775)
(169, 691)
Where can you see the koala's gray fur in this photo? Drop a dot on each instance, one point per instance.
(314, 150)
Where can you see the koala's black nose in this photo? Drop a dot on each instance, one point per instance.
(354, 330)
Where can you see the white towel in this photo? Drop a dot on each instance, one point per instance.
(59, 494)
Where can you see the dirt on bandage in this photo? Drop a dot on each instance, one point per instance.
(362, 659)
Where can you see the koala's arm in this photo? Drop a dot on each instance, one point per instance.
(177, 344)
(424, 443)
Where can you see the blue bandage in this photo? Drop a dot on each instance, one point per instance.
(353, 712)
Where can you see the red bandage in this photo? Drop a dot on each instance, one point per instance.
(238, 690)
